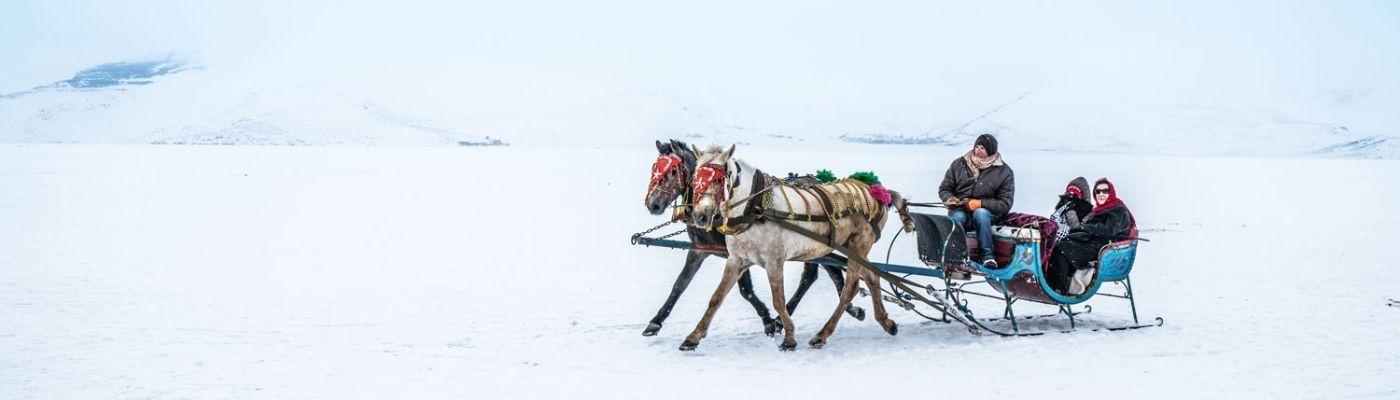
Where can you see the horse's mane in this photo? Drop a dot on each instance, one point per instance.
(745, 166)
(679, 145)
(682, 150)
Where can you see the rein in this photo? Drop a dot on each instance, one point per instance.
(929, 205)
(733, 204)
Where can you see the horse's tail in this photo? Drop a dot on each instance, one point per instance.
(902, 206)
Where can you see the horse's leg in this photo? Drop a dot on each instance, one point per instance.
(872, 282)
(881, 316)
(693, 259)
(839, 280)
(848, 291)
(809, 275)
(746, 290)
(732, 268)
(774, 267)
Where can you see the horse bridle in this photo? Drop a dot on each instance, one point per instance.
(705, 177)
(668, 164)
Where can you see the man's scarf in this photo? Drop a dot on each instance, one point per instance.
(977, 164)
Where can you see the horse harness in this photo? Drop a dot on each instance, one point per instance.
(757, 212)
(760, 212)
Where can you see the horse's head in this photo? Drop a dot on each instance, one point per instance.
(670, 175)
(709, 187)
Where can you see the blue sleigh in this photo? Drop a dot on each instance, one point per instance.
(1022, 278)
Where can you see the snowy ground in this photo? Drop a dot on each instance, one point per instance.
(294, 272)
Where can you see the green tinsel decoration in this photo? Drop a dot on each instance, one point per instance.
(825, 176)
(866, 176)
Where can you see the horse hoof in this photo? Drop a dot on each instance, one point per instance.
(771, 327)
(651, 329)
(816, 343)
(689, 345)
(857, 312)
(788, 346)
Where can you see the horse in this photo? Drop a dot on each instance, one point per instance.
(671, 180)
(732, 190)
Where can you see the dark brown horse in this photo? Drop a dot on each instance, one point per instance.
(671, 178)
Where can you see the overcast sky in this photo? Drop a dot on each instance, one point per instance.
(786, 58)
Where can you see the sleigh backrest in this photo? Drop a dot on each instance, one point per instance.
(941, 242)
(1116, 260)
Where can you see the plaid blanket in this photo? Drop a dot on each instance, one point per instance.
(1047, 231)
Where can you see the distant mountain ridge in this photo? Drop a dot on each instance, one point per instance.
(117, 74)
(171, 100)
(1164, 128)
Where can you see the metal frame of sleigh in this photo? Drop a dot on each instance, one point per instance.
(1022, 279)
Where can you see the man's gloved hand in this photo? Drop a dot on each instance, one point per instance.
(974, 204)
(953, 203)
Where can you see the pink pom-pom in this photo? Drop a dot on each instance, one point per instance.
(883, 196)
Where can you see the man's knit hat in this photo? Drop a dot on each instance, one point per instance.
(988, 142)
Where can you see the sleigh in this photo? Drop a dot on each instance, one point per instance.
(943, 246)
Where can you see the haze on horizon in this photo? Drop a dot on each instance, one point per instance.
(787, 66)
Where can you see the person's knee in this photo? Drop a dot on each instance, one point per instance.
(959, 215)
(982, 216)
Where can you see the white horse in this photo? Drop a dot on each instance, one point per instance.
(724, 190)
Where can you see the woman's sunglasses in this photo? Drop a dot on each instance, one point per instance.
(1100, 191)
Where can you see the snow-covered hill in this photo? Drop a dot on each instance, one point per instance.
(196, 105)
(171, 100)
(1341, 123)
